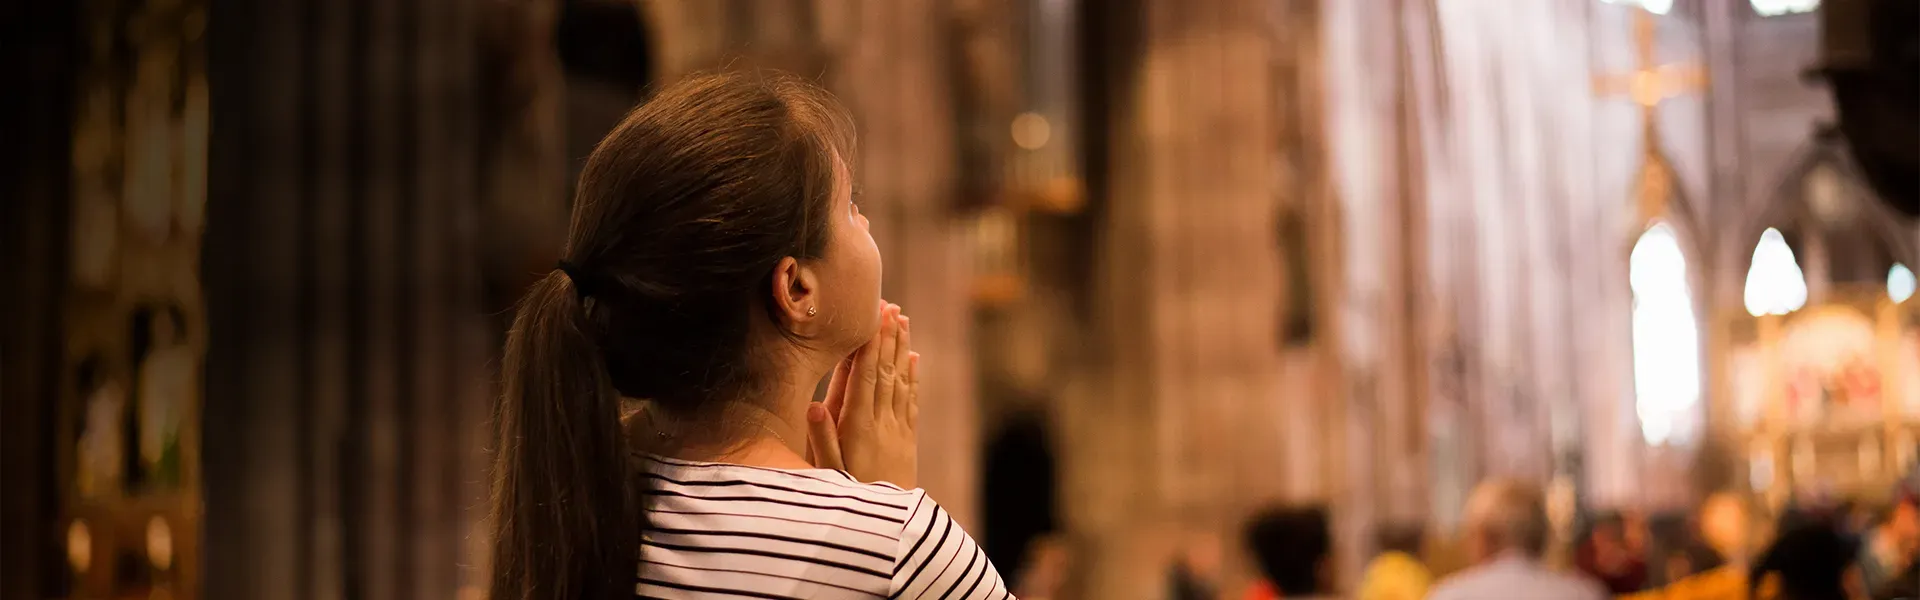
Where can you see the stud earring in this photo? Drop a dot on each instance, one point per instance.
(811, 310)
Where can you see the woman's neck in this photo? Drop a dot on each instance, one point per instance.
(774, 435)
(767, 431)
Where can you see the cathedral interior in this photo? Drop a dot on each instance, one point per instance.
(1172, 262)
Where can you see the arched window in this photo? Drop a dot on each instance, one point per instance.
(1775, 284)
(1899, 283)
(1774, 8)
(1658, 7)
(1666, 339)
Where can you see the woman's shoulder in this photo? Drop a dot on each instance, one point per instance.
(795, 493)
(938, 556)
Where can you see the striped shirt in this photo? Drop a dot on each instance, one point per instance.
(733, 531)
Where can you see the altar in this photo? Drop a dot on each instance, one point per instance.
(1827, 396)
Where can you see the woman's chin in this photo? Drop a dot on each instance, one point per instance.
(844, 344)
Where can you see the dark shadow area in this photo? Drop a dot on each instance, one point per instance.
(1018, 489)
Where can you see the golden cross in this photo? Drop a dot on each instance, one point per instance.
(1650, 83)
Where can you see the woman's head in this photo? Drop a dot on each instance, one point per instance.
(1293, 548)
(714, 231)
(1723, 523)
(1814, 560)
(714, 252)
(1506, 516)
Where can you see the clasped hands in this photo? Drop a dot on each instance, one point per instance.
(866, 425)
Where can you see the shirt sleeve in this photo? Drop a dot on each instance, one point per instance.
(937, 559)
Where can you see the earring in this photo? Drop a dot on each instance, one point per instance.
(811, 310)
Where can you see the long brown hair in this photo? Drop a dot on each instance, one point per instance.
(680, 217)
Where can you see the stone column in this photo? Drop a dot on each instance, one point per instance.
(891, 68)
(346, 387)
(522, 141)
(35, 223)
(1183, 344)
(1722, 454)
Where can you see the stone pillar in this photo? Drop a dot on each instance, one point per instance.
(1722, 455)
(1157, 424)
(891, 69)
(522, 143)
(36, 172)
(346, 387)
(1303, 188)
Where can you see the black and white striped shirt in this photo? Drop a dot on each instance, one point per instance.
(732, 531)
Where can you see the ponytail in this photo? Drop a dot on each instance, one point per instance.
(565, 516)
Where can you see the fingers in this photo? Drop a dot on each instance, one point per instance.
(887, 370)
(858, 402)
(913, 390)
(823, 440)
(837, 387)
(902, 359)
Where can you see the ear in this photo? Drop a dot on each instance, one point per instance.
(796, 293)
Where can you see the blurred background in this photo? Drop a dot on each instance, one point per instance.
(1174, 262)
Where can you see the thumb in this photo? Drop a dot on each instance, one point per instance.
(823, 439)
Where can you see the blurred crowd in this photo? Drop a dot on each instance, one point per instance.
(1820, 549)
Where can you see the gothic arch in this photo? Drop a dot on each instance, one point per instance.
(1680, 218)
(1786, 203)
(1679, 213)
(1685, 222)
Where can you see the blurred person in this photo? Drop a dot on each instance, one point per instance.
(1636, 532)
(1676, 550)
(1293, 548)
(1811, 560)
(1855, 518)
(1890, 546)
(1196, 568)
(1689, 567)
(1636, 536)
(1725, 528)
(1506, 533)
(1048, 564)
(716, 270)
(1563, 514)
(1906, 586)
(1397, 572)
(1607, 554)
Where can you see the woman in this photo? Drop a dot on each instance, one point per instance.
(716, 270)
